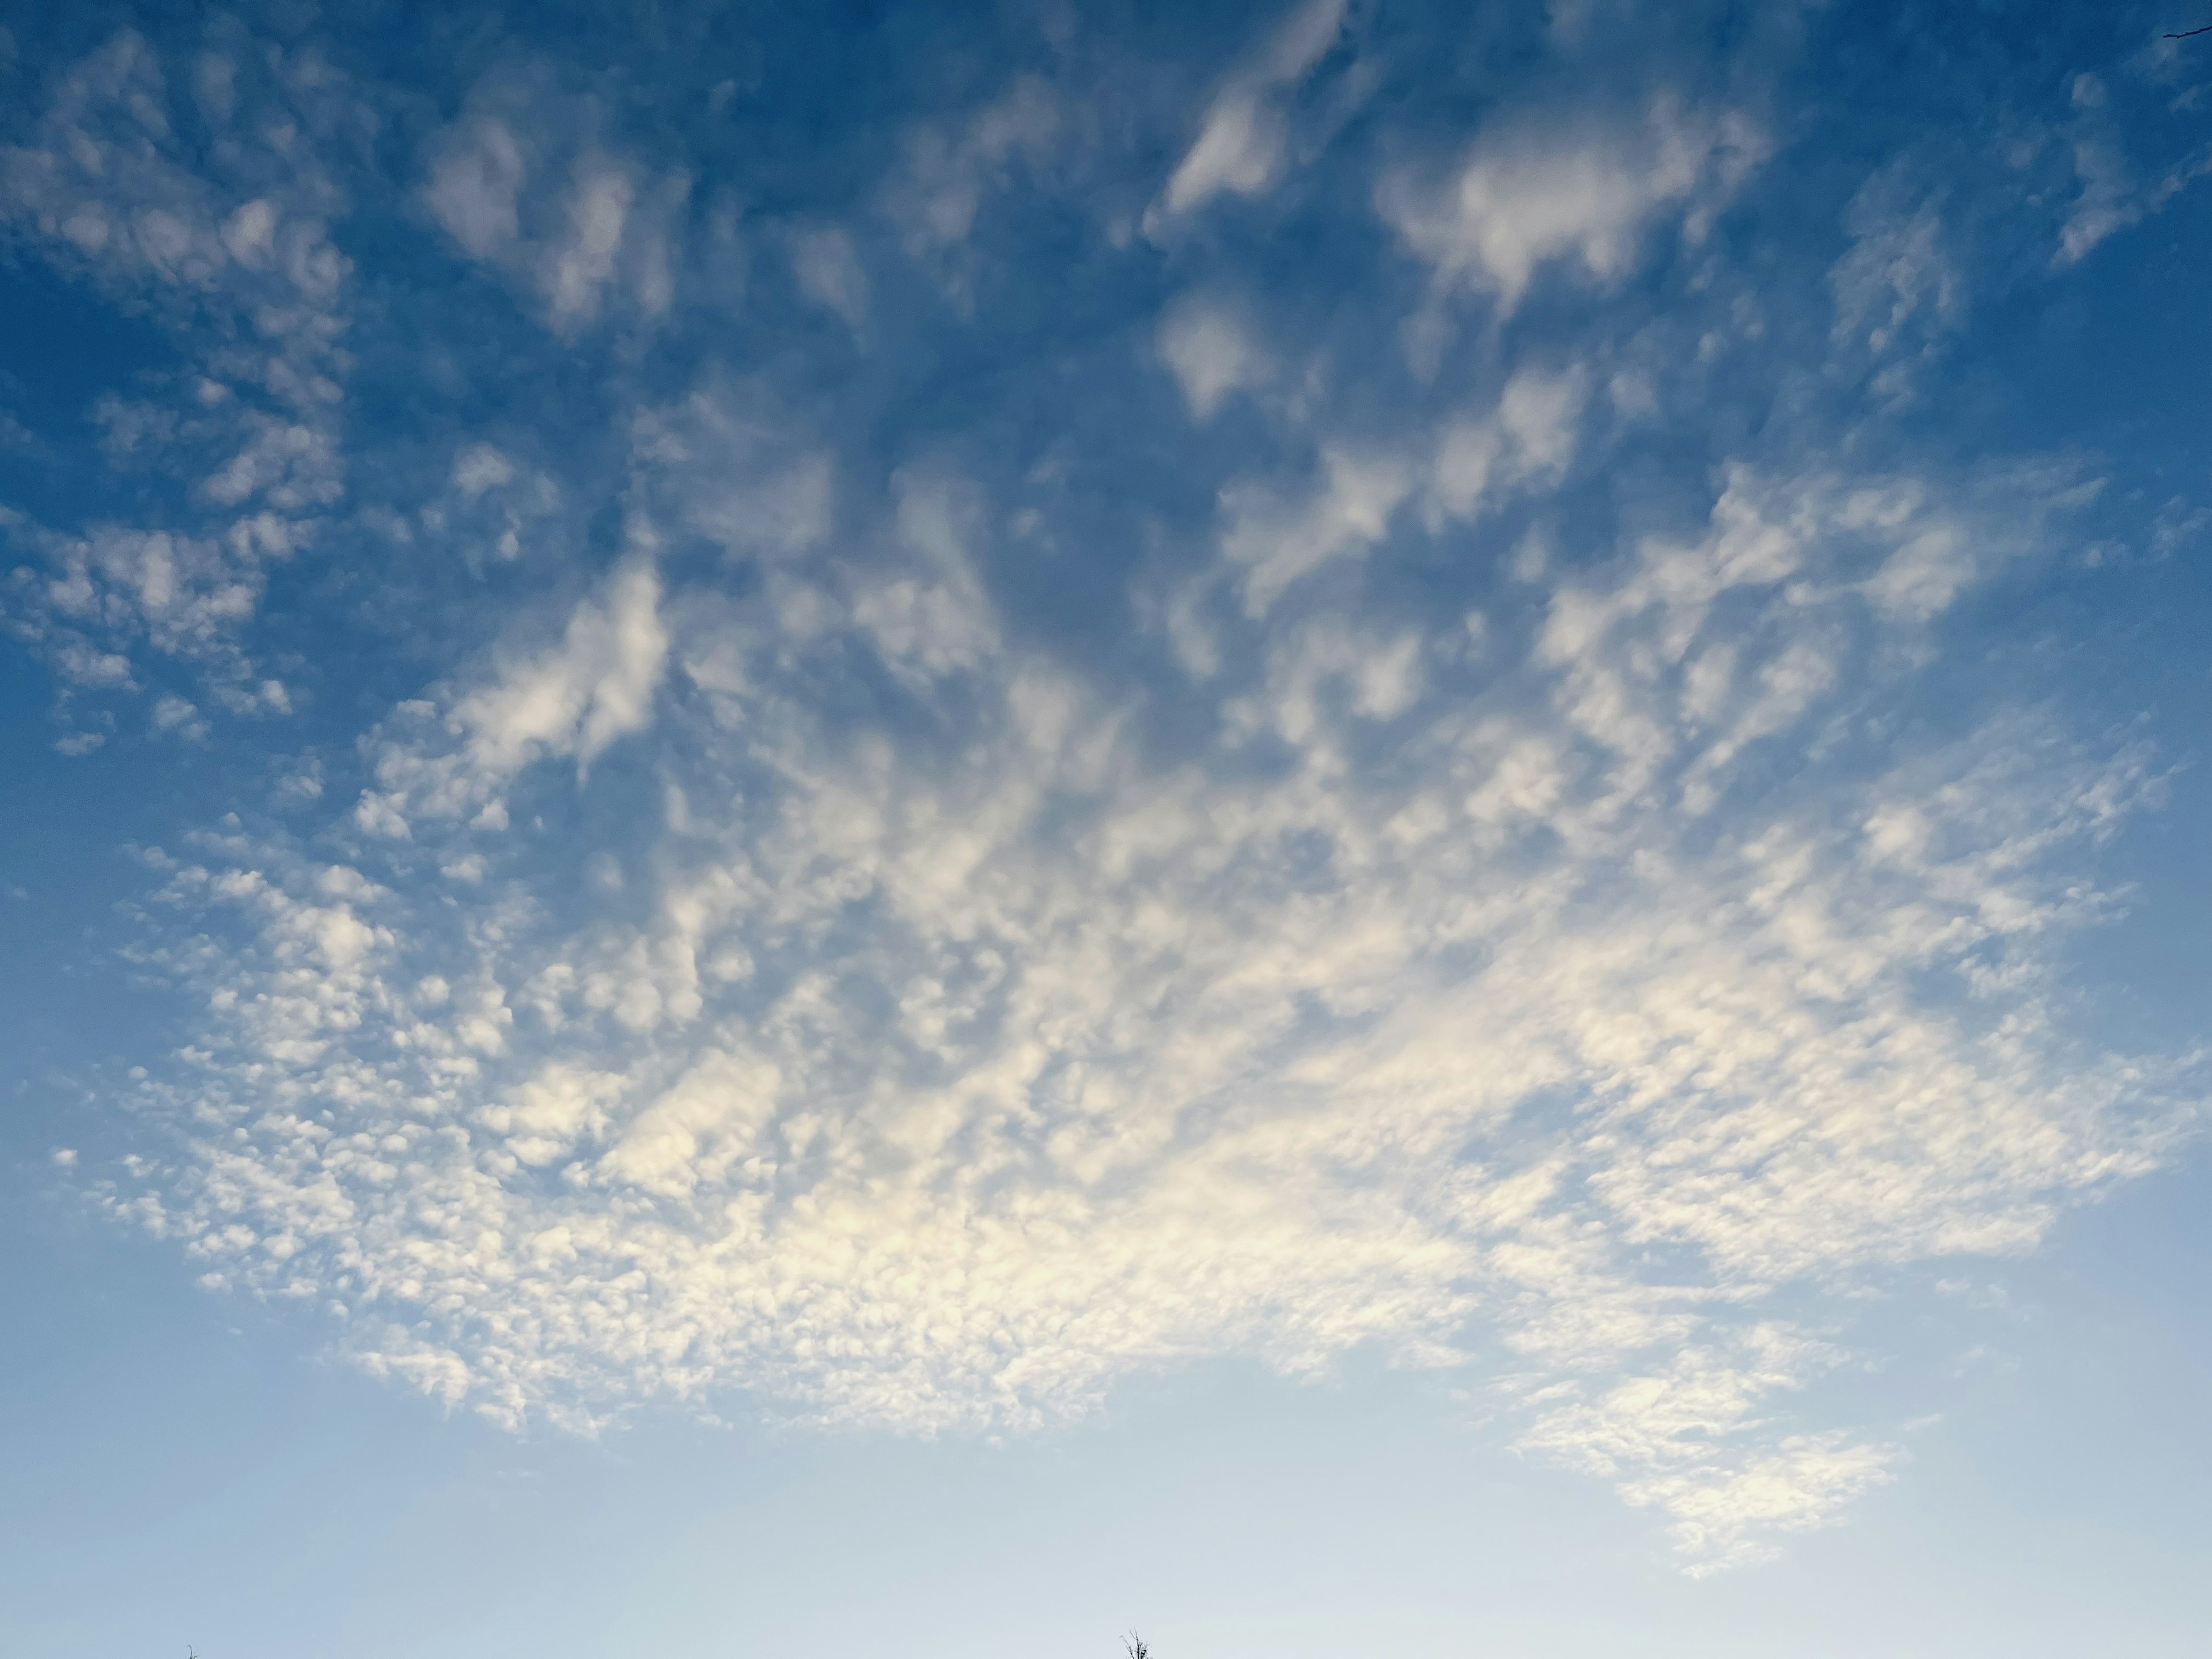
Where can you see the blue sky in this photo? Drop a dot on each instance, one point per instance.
(1352, 827)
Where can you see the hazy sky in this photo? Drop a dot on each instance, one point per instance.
(850, 830)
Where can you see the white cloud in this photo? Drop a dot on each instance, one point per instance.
(496, 506)
(942, 1069)
(476, 181)
(177, 715)
(596, 686)
(2112, 198)
(951, 169)
(1209, 347)
(949, 1028)
(1522, 199)
(181, 596)
(597, 210)
(521, 183)
(103, 188)
(1674, 1437)
(2109, 201)
(1276, 536)
(1239, 149)
(1899, 268)
(929, 618)
(1529, 437)
(569, 699)
(829, 272)
(728, 463)
(480, 467)
(1243, 140)
(1276, 539)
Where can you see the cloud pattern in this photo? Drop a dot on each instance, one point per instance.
(777, 965)
(238, 245)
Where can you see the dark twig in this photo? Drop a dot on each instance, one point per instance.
(1135, 1646)
(2188, 33)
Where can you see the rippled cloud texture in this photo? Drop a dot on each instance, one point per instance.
(1295, 687)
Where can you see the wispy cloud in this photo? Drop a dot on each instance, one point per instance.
(1244, 141)
(829, 271)
(952, 168)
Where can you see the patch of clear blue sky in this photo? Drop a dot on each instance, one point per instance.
(181, 1468)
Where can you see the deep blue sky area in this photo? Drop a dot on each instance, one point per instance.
(1342, 827)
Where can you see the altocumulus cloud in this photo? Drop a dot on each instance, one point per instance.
(1590, 950)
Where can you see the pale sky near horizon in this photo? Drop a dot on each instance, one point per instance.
(1357, 827)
